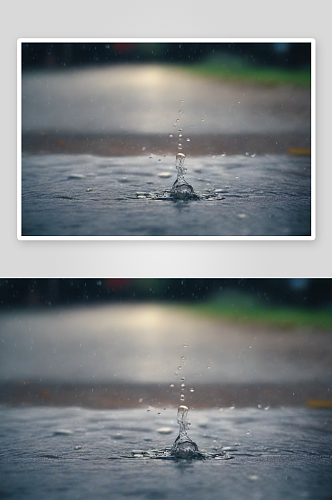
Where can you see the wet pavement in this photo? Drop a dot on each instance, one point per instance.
(237, 195)
(70, 453)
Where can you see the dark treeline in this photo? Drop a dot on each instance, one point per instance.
(60, 55)
(310, 293)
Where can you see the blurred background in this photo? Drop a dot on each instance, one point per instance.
(116, 343)
(275, 54)
(112, 98)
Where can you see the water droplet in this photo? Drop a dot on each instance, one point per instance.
(143, 148)
(247, 154)
(165, 430)
(202, 120)
(140, 400)
(171, 385)
(159, 413)
(180, 367)
(183, 385)
(182, 100)
(183, 378)
(170, 135)
(191, 390)
(188, 140)
(209, 367)
(266, 407)
(181, 111)
(180, 145)
(183, 358)
(184, 346)
(180, 129)
(223, 154)
(178, 119)
(180, 135)
(253, 155)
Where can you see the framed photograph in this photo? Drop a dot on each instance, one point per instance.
(166, 139)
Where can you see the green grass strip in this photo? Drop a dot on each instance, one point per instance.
(245, 310)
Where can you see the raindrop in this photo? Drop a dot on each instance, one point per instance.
(182, 378)
(180, 367)
(188, 140)
(183, 358)
(191, 390)
(184, 346)
(171, 385)
(183, 385)
(140, 400)
(170, 135)
(165, 430)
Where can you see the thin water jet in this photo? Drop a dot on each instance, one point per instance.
(183, 446)
(181, 188)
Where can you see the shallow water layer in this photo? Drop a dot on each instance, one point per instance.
(84, 195)
(70, 453)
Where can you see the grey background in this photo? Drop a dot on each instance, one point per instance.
(165, 19)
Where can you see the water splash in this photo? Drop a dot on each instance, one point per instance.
(183, 446)
(181, 188)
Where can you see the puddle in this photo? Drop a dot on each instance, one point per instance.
(266, 195)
